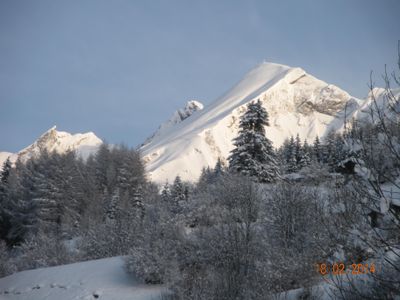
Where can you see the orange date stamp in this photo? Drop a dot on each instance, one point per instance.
(343, 269)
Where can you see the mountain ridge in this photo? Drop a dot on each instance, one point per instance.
(52, 140)
(296, 102)
(195, 136)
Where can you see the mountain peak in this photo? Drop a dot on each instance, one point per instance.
(194, 105)
(191, 107)
(269, 70)
(52, 140)
(268, 64)
(50, 134)
(297, 103)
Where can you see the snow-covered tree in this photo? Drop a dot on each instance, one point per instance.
(112, 207)
(294, 234)
(178, 190)
(291, 161)
(5, 172)
(298, 149)
(283, 151)
(317, 150)
(156, 245)
(206, 177)
(178, 196)
(166, 193)
(253, 154)
(306, 155)
(219, 169)
(225, 258)
(4, 199)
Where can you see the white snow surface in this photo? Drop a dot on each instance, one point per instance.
(105, 278)
(297, 103)
(52, 140)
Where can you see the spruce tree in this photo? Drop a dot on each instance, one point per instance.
(291, 164)
(306, 158)
(206, 177)
(112, 207)
(19, 205)
(5, 199)
(298, 152)
(283, 151)
(328, 150)
(178, 189)
(317, 151)
(218, 169)
(166, 193)
(339, 151)
(178, 195)
(5, 172)
(253, 154)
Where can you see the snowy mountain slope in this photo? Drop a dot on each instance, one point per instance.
(60, 141)
(97, 279)
(177, 117)
(297, 103)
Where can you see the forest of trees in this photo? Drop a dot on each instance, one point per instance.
(251, 227)
(55, 199)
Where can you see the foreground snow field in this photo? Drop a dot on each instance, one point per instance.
(97, 279)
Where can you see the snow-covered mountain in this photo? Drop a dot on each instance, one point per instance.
(297, 103)
(196, 136)
(59, 141)
(177, 117)
(379, 99)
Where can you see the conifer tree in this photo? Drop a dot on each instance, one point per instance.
(178, 189)
(298, 151)
(5, 172)
(178, 195)
(20, 208)
(4, 177)
(112, 207)
(284, 151)
(328, 149)
(291, 164)
(102, 166)
(253, 154)
(317, 150)
(166, 193)
(4, 199)
(339, 152)
(218, 169)
(306, 158)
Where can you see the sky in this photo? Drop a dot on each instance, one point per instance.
(120, 68)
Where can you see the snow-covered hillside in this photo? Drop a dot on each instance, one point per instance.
(52, 140)
(297, 103)
(98, 279)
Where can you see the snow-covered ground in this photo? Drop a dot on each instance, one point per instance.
(97, 279)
